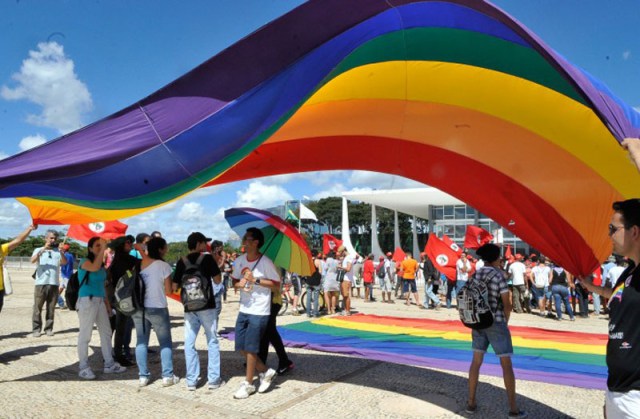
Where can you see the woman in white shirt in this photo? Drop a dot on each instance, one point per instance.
(156, 275)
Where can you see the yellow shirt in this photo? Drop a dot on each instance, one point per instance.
(4, 250)
(409, 267)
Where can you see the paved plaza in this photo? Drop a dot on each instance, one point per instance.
(38, 376)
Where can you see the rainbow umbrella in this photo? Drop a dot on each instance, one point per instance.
(282, 243)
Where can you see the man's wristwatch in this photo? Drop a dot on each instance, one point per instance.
(258, 281)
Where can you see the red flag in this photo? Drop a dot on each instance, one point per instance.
(398, 255)
(330, 243)
(507, 253)
(451, 244)
(443, 257)
(106, 230)
(597, 276)
(476, 237)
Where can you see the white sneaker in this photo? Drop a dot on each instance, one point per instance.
(169, 381)
(143, 381)
(266, 378)
(114, 369)
(244, 391)
(86, 374)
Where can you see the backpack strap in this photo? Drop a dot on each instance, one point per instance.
(85, 278)
(189, 265)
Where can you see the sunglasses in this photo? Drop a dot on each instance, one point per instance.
(613, 229)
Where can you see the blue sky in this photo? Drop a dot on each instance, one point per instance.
(106, 55)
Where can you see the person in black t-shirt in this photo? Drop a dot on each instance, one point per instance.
(122, 325)
(206, 317)
(623, 348)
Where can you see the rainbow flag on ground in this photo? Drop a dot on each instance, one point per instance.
(550, 356)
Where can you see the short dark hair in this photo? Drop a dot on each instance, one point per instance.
(154, 246)
(630, 211)
(489, 252)
(195, 238)
(156, 234)
(141, 237)
(256, 233)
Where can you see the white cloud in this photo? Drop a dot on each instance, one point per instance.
(382, 180)
(14, 217)
(315, 177)
(637, 108)
(191, 211)
(337, 190)
(261, 195)
(31, 141)
(626, 55)
(47, 78)
(3, 155)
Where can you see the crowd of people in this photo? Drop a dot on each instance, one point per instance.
(519, 285)
(536, 285)
(202, 277)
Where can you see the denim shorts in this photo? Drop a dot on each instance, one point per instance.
(249, 331)
(409, 283)
(497, 335)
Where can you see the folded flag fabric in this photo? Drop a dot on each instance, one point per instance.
(550, 356)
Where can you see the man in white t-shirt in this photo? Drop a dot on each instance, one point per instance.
(614, 273)
(463, 267)
(516, 273)
(541, 279)
(256, 277)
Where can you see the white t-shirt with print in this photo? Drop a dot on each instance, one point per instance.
(462, 276)
(153, 277)
(541, 275)
(349, 259)
(257, 300)
(517, 270)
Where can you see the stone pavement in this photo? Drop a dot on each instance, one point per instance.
(38, 377)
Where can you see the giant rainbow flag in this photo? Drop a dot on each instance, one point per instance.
(550, 356)
(449, 93)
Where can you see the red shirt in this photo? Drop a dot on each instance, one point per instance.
(367, 271)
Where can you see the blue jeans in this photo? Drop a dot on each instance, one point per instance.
(583, 301)
(451, 292)
(313, 296)
(561, 293)
(208, 319)
(429, 295)
(159, 319)
(596, 303)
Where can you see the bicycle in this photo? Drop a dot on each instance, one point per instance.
(321, 303)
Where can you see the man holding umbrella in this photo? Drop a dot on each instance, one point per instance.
(255, 276)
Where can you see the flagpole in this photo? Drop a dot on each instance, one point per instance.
(299, 210)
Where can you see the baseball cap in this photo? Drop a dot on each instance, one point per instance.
(341, 248)
(195, 238)
(65, 246)
(389, 254)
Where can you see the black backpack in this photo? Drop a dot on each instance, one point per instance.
(315, 279)
(473, 305)
(129, 292)
(73, 289)
(195, 287)
(381, 272)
